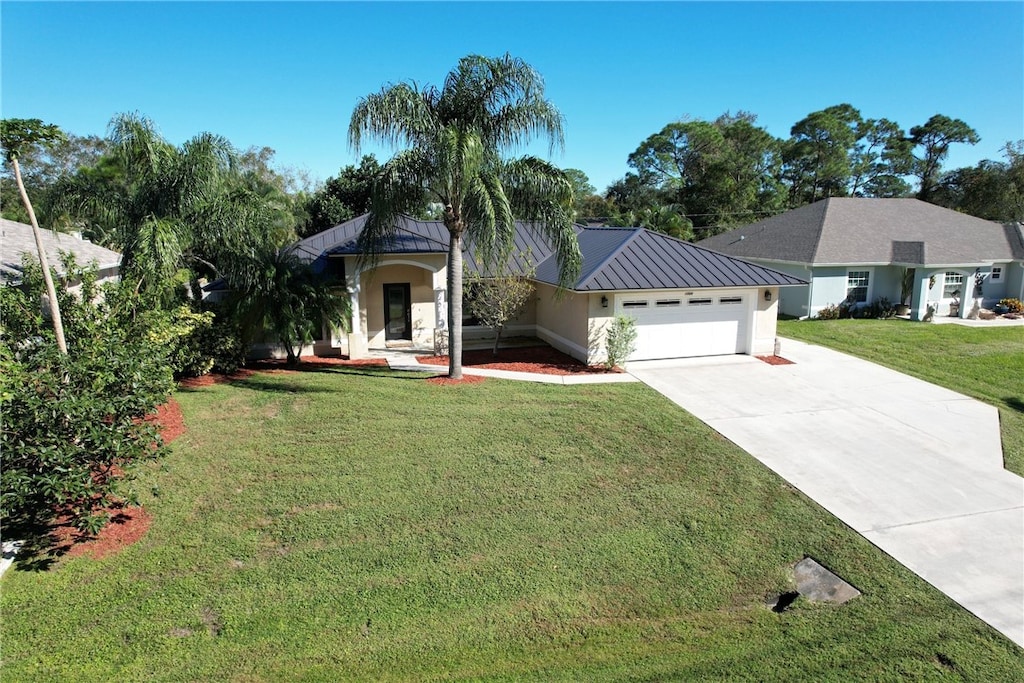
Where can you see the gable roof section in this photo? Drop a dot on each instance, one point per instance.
(17, 239)
(635, 258)
(848, 230)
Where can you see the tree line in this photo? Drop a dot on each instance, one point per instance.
(694, 178)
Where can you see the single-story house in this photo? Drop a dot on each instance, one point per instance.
(857, 250)
(687, 300)
(16, 240)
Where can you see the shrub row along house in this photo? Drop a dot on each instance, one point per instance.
(686, 300)
(859, 250)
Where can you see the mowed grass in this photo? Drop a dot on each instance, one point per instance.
(984, 362)
(364, 525)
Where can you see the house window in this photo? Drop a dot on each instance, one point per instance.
(731, 300)
(857, 285)
(665, 303)
(699, 302)
(952, 285)
(997, 273)
(634, 304)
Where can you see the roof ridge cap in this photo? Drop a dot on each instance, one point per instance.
(821, 228)
(615, 252)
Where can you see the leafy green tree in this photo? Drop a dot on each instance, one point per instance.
(342, 197)
(583, 193)
(72, 426)
(274, 290)
(453, 139)
(494, 301)
(17, 135)
(993, 190)
(818, 154)
(719, 173)
(931, 143)
(879, 160)
(42, 165)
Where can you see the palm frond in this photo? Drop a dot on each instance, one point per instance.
(541, 194)
(400, 114)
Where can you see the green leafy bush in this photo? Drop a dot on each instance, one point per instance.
(72, 424)
(620, 340)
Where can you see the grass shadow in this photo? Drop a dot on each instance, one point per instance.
(1014, 403)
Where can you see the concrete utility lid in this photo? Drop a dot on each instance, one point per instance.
(818, 584)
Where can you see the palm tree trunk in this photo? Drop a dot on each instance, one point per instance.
(51, 292)
(455, 306)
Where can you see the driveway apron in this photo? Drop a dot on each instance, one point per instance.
(914, 468)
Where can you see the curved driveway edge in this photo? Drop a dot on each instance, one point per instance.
(914, 468)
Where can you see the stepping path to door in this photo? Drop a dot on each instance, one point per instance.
(914, 468)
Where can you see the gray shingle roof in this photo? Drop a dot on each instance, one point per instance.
(850, 230)
(16, 239)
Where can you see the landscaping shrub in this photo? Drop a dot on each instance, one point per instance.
(620, 340)
(1012, 305)
(829, 312)
(72, 424)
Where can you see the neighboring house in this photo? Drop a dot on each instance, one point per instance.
(16, 240)
(687, 300)
(859, 250)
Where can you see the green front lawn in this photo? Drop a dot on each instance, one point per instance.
(358, 524)
(986, 363)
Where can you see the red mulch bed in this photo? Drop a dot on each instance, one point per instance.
(126, 526)
(542, 360)
(775, 360)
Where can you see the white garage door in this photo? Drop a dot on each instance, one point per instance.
(687, 325)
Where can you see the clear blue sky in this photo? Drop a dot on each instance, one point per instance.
(287, 75)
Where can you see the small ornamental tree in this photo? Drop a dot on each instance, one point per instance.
(73, 423)
(620, 340)
(494, 301)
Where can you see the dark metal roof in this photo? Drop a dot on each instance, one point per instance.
(635, 258)
(613, 258)
(850, 230)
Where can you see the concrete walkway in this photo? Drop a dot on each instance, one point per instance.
(915, 468)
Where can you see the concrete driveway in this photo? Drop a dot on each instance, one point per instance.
(915, 468)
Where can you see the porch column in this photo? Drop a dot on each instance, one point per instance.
(967, 297)
(354, 296)
(919, 299)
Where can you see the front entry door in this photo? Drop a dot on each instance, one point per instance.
(397, 312)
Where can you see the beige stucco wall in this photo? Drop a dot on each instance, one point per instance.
(421, 291)
(567, 325)
(766, 317)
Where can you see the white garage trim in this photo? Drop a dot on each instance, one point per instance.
(684, 324)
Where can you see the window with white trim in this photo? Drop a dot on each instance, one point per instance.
(952, 284)
(857, 285)
(997, 273)
(699, 302)
(666, 303)
(634, 304)
(731, 300)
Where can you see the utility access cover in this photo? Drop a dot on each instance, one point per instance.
(818, 584)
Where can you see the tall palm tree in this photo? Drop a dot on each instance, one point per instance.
(274, 290)
(453, 139)
(168, 207)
